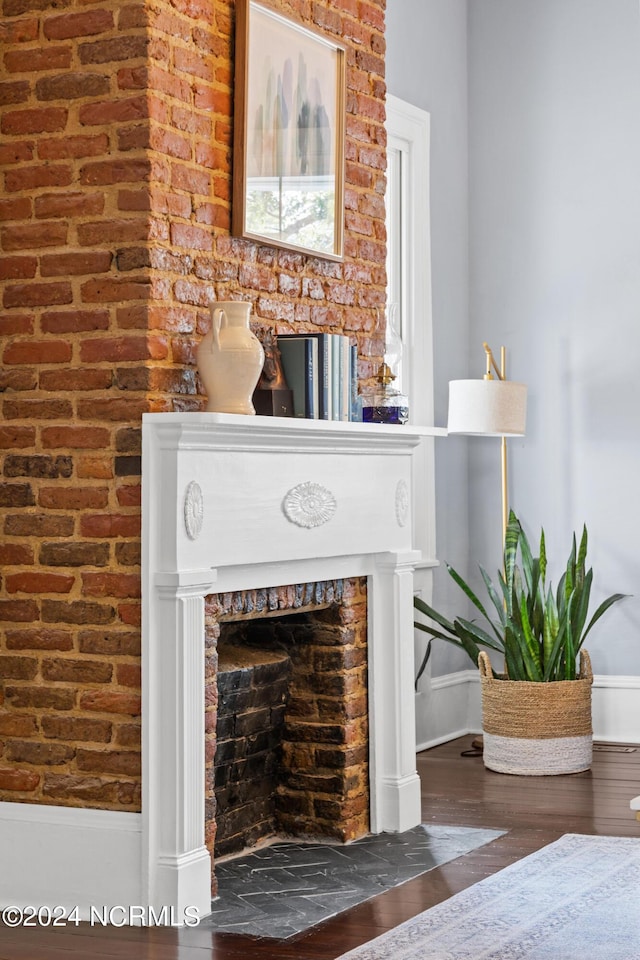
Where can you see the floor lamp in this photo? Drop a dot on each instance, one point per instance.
(491, 407)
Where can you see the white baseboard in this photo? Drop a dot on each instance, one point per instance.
(68, 857)
(451, 709)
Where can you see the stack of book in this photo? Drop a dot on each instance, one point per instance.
(321, 371)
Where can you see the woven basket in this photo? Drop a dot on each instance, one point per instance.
(537, 729)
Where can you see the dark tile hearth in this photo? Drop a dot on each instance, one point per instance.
(283, 889)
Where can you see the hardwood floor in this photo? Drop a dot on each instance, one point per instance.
(455, 790)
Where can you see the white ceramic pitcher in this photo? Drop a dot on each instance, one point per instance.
(230, 358)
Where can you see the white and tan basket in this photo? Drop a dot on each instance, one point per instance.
(537, 729)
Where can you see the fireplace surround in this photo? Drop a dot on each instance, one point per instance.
(234, 503)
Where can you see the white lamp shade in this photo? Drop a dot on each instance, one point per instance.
(490, 408)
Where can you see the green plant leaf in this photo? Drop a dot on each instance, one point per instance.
(467, 590)
(428, 611)
(604, 606)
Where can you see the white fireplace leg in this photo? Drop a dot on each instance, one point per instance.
(178, 863)
(395, 785)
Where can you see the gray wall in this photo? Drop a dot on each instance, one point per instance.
(553, 271)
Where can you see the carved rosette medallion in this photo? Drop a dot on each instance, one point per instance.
(309, 505)
(193, 510)
(402, 503)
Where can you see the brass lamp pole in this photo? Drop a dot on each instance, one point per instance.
(502, 375)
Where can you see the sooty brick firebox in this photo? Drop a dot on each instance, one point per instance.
(286, 714)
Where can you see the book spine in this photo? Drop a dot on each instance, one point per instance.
(324, 348)
(335, 376)
(309, 400)
(354, 382)
(345, 379)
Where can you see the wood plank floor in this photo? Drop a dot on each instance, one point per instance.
(455, 790)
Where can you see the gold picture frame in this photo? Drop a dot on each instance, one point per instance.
(288, 145)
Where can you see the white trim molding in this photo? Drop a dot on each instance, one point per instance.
(69, 858)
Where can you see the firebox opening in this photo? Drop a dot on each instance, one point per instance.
(290, 750)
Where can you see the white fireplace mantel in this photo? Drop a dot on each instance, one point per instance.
(236, 503)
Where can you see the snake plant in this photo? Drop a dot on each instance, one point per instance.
(538, 631)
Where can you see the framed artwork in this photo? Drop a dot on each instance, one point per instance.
(289, 115)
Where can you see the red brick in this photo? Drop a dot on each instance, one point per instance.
(15, 208)
(124, 410)
(128, 735)
(53, 58)
(17, 725)
(92, 791)
(42, 175)
(56, 265)
(36, 120)
(115, 171)
(108, 51)
(124, 348)
(16, 495)
(16, 152)
(98, 468)
(40, 638)
(38, 525)
(190, 237)
(129, 496)
(75, 380)
(37, 351)
(17, 668)
(38, 753)
(73, 147)
(71, 86)
(73, 498)
(129, 675)
(77, 728)
(75, 611)
(15, 554)
(17, 379)
(19, 31)
(111, 290)
(110, 761)
(23, 781)
(110, 525)
(13, 437)
(73, 25)
(130, 613)
(76, 671)
(39, 697)
(111, 642)
(38, 583)
(18, 268)
(111, 701)
(14, 92)
(74, 321)
(114, 111)
(37, 294)
(33, 236)
(74, 554)
(75, 437)
(37, 410)
(121, 585)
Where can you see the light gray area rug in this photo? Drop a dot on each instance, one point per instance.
(576, 899)
(285, 888)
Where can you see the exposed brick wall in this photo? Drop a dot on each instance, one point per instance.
(115, 154)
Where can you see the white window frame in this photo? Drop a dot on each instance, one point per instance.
(409, 285)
